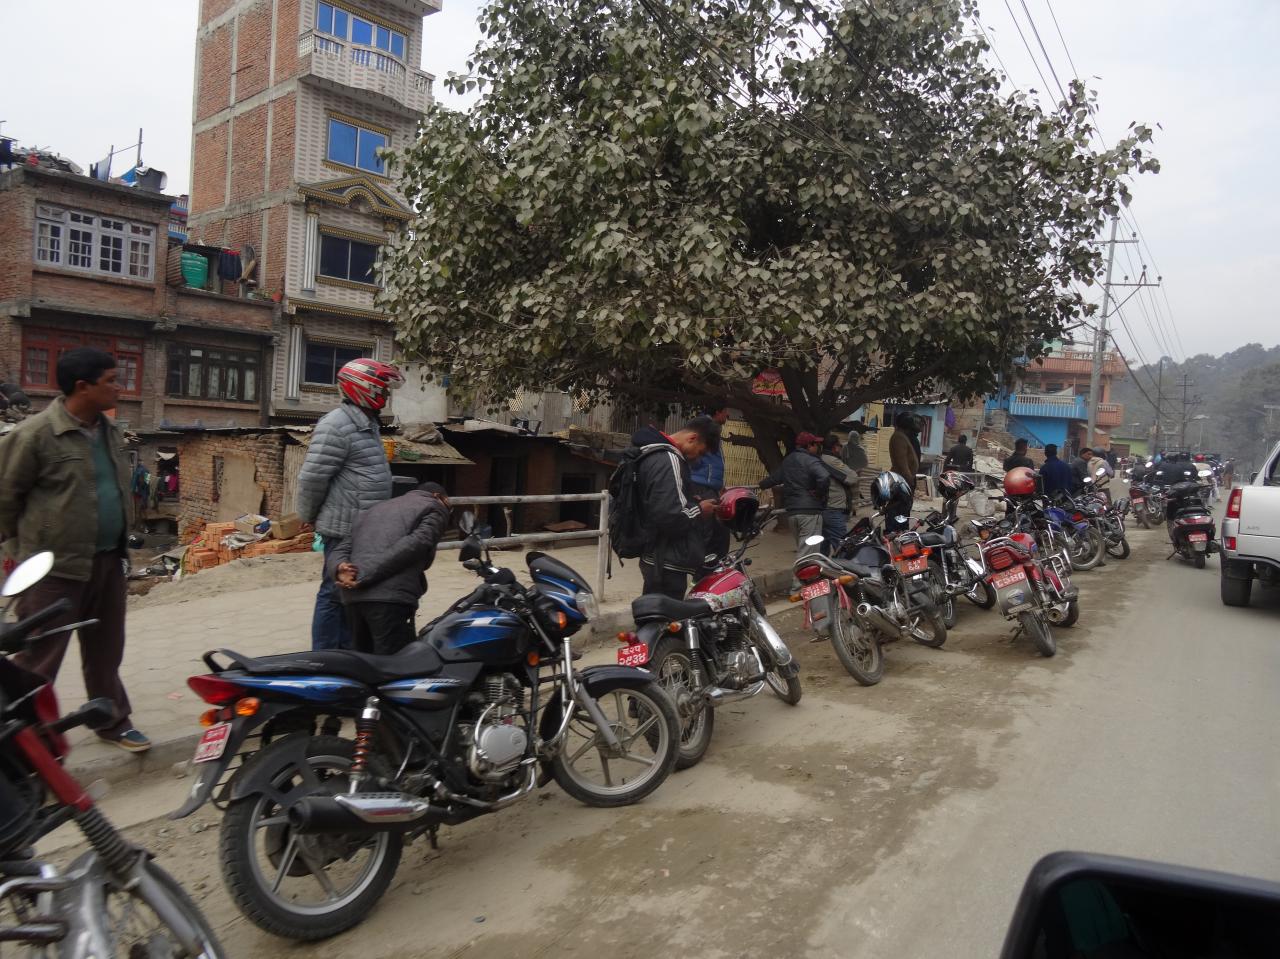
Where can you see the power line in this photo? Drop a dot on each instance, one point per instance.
(1047, 58)
(1034, 61)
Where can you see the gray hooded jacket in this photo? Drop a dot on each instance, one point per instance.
(345, 472)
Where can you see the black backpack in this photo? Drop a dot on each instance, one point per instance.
(626, 505)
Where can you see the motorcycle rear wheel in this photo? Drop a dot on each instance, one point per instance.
(858, 649)
(1119, 550)
(930, 630)
(981, 595)
(670, 663)
(1041, 636)
(1198, 559)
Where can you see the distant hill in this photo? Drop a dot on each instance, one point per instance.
(1233, 390)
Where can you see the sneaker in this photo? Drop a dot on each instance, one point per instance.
(130, 740)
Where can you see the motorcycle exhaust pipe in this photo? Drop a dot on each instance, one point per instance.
(360, 813)
(718, 695)
(880, 618)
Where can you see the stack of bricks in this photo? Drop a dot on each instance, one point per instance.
(207, 548)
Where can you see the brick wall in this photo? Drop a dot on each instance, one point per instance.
(284, 120)
(288, 29)
(17, 229)
(253, 49)
(196, 461)
(209, 172)
(248, 154)
(213, 79)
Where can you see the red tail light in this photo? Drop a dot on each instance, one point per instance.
(1233, 504)
(908, 550)
(215, 691)
(1077, 517)
(805, 574)
(1230, 542)
(1000, 558)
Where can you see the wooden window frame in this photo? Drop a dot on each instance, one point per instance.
(55, 342)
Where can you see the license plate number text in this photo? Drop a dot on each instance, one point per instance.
(213, 743)
(821, 588)
(637, 654)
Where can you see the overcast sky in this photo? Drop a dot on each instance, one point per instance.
(82, 78)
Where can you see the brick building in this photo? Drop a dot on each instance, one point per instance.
(293, 101)
(87, 263)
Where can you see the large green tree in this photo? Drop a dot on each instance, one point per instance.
(654, 201)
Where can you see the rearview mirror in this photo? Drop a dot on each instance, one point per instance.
(814, 540)
(1081, 904)
(27, 573)
(1100, 471)
(471, 549)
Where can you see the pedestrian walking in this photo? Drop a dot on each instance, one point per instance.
(1055, 475)
(381, 567)
(841, 494)
(959, 457)
(707, 476)
(1019, 457)
(903, 457)
(64, 487)
(345, 472)
(806, 486)
(668, 516)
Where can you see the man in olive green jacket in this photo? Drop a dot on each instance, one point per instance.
(64, 487)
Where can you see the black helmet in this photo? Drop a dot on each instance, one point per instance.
(890, 489)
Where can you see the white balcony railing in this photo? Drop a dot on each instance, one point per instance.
(364, 69)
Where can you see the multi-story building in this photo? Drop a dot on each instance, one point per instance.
(1050, 401)
(294, 99)
(88, 263)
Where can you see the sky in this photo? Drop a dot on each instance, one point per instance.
(1206, 73)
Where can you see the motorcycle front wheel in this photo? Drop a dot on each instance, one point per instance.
(981, 595)
(1198, 560)
(929, 629)
(1089, 549)
(785, 687)
(1119, 550)
(858, 649)
(1041, 636)
(671, 664)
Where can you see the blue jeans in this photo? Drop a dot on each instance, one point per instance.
(835, 527)
(329, 629)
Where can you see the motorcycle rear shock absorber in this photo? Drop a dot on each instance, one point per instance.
(366, 726)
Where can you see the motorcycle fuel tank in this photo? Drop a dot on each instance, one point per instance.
(726, 590)
(483, 634)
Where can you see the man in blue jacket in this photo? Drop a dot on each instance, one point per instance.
(707, 477)
(1054, 474)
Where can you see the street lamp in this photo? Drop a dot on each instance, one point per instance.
(1200, 437)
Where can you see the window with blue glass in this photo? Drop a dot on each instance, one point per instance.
(337, 22)
(355, 146)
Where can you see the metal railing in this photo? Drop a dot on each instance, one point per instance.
(600, 533)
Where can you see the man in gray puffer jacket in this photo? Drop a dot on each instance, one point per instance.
(381, 566)
(345, 472)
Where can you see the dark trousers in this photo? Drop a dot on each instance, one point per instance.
(715, 533)
(102, 597)
(835, 527)
(668, 582)
(329, 628)
(382, 629)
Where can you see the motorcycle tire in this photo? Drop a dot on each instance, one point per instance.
(982, 595)
(933, 624)
(668, 662)
(1141, 514)
(1093, 550)
(786, 688)
(1071, 616)
(949, 612)
(1041, 636)
(1119, 550)
(858, 649)
(1198, 560)
(251, 888)
(785, 684)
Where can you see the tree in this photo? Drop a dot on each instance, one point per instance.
(656, 200)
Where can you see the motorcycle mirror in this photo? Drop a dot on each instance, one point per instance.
(1086, 904)
(1204, 473)
(471, 549)
(467, 522)
(814, 540)
(27, 573)
(1100, 471)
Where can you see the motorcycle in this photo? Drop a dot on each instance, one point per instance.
(1190, 525)
(1031, 591)
(1086, 545)
(961, 574)
(112, 900)
(1034, 518)
(715, 647)
(1106, 516)
(482, 709)
(1138, 493)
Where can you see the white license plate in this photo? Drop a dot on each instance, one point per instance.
(821, 588)
(1001, 580)
(213, 743)
(637, 654)
(1198, 537)
(917, 565)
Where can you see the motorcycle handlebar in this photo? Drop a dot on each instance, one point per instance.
(12, 639)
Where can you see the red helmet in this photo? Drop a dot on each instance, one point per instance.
(1020, 482)
(737, 509)
(368, 383)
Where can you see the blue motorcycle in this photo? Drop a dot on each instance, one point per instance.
(326, 762)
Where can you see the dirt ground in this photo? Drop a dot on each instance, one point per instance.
(790, 805)
(238, 576)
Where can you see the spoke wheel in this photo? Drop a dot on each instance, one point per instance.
(136, 930)
(858, 649)
(670, 662)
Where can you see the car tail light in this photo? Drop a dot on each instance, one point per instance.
(213, 690)
(807, 574)
(1230, 542)
(1233, 504)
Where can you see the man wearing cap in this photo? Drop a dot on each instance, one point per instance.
(805, 484)
(381, 567)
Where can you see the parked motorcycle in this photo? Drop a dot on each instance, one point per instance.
(113, 900)
(480, 710)
(1138, 493)
(717, 646)
(1033, 592)
(1190, 525)
(959, 568)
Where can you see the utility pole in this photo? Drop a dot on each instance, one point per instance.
(1159, 407)
(1187, 404)
(1100, 341)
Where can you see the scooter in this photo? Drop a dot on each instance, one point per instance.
(1191, 529)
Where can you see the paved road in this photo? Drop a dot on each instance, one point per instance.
(886, 822)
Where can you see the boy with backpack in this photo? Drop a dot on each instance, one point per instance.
(654, 515)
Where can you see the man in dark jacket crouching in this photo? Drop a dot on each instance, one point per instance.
(381, 567)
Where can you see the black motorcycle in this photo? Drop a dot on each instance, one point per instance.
(1192, 533)
(959, 569)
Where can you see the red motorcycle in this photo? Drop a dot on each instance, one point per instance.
(1027, 590)
(111, 901)
(717, 646)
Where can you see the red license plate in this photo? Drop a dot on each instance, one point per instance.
(909, 566)
(1001, 580)
(213, 743)
(637, 654)
(821, 588)
(1198, 537)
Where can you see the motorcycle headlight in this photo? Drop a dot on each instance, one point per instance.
(588, 604)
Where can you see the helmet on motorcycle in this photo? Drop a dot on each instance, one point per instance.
(889, 489)
(737, 510)
(954, 483)
(1020, 481)
(368, 383)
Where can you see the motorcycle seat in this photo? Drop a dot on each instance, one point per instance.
(419, 658)
(655, 606)
(858, 568)
(933, 539)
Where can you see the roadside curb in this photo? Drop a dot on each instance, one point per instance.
(164, 754)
